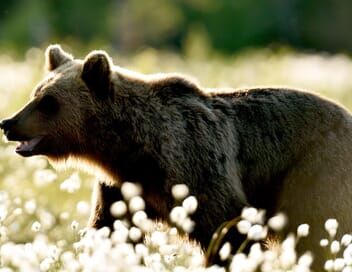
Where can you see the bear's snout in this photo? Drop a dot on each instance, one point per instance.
(7, 124)
(11, 130)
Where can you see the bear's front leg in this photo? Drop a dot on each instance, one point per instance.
(103, 197)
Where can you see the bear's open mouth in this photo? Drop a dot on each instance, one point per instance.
(26, 148)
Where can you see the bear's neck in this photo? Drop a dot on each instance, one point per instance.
(125, 146)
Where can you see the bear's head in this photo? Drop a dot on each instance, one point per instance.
(59, 118)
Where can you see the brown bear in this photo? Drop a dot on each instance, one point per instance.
(272, 148)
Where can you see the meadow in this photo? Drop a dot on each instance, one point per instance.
(43, 212)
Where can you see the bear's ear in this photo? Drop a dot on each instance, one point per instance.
(55, 57)
(96, 73)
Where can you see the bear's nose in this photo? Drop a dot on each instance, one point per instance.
(7, 124)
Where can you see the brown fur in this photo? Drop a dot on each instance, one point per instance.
(276, 149)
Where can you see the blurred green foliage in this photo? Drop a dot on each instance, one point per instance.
(226, 25)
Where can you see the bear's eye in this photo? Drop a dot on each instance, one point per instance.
(48, 105)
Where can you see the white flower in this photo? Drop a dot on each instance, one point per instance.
(339, 264)
(141, 250)
(16, 201)
(238, 262)
(18, 211)
(46, 219)
(324, 242)
(173, 232)
(257, 232)
(139, 218)
(67, 256)
(249, 213)
(167, 250)
(225, 251)
(306, 259)
(253, 215)
(190, 204)
(197, 260)
(178, 215)
(118, 208)
(83, 207)
(64, 215)
(120, 233)
(136, 204)
(331, 226)
(30, 206)
(346, 239)
(74, 225)
(303, 230)
(36, 162)
(256, 253)
(4, 198)
(135, 234)
(3, 213)
(154, 259)
(62, 243)
(289, 242)
(103, 232)
(335, 247)
(129, 190)
(158, 238)
(147, 226)
(243, 226)
(288, 258)
(36, 226)
(277, 222)
(72, 184)
(54, 252)
(46, 264)
(329, 265)
(179, 191)
(3, 235)
(188, 225)
(347, 255)
(44, 177)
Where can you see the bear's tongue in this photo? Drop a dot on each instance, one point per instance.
(28, 145)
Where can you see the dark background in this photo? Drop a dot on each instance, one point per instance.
(225, 25)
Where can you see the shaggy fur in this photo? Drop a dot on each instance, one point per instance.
(276, 149)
